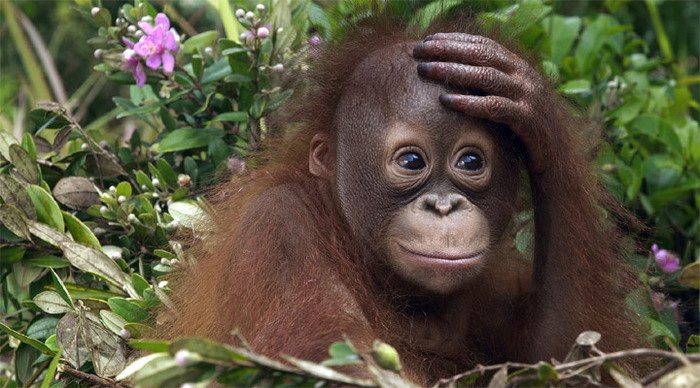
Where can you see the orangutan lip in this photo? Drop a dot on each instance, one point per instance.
(456, 258)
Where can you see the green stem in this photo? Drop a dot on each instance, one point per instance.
(661, 36)
(40, 90)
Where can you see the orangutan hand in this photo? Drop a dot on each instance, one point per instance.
(513, 91)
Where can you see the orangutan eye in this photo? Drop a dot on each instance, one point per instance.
(411, 161)
(471, 162)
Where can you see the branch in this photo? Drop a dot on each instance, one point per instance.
(94, 379)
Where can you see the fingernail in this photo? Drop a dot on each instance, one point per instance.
(424, 67)
(446, 98)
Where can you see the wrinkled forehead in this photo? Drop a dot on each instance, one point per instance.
(385, 88)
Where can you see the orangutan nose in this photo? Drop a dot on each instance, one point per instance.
(443, 204)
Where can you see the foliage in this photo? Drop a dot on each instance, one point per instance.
(87, 224)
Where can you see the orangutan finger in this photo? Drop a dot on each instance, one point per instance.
(466, 53)
(494, 108)
(486, 79)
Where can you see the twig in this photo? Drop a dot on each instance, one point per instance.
(658, 373)
(585, 363)
(94, 379)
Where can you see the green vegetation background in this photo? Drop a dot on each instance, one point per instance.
(93, 185)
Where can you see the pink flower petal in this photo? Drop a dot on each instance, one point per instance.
(139, 75)
(153, 62)
(146, 27)
(162, 20)
(169, 41)
(142, 48)
(168, 62)
(128, 43)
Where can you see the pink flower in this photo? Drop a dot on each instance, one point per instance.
(158, 45)
(667, 261)
(263, 32)
(132, 62)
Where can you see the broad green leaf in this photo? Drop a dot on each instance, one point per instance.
(25, 165)
(13, 193)
(47, 209)
(167, 172)
(577, 86)
(123, 188)
(24, 339)
(48, 261)
(128, 310)
(42, 328)
(15, 221)
(79, 231)
(188, 138)
(112, 321)
(51, 303)
(190, 215)
(93, 261)
(9, 255)
(47, 233)
(562, 33)
(150, 345)
(199, 41)
(6, 140)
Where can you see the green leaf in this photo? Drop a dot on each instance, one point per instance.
(112, 321)
(47, 233)
(79, 231)
(562, 33)
(140, 284)
(25, 165)
(188, 138)
(149, 345)
(6, 140)
(167, 173)
(690, 276)
(342, 354)
(13, 193)
(51, 303)
(51, 370)
(48, 261)
(15, 221)
(199, 41)
(577, 86)
(93, 261)
(189, 214)
(128, 310)
(9, 255)
(240, 117)
(123, 188)
(209, 350)
(61, 289)
(24, 339)
(29, 145)
(47, 209)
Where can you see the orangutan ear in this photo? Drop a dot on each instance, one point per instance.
(321, 156)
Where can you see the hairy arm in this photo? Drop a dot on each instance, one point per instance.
(578, 279)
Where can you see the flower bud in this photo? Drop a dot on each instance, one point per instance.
(131, 217)
(260, 7)
(131, 28)
(94, 11)
(146, 19)
(263, 33)
(182, 358)
(164, 261)
(125, 334)
(99, 231)
(155, 182)
(138, 33)
(249, 15)
(103, 210)
(97, 53)
(84, 147)
(278, 67)
(208, 51)
(386, 356)
(128, 54)
(280, 30)
(144, 187)
(174, 262)
(114, 254)
(314, 40)
(121, 199)
(162, 284)
(184, 180)
(240, 13)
